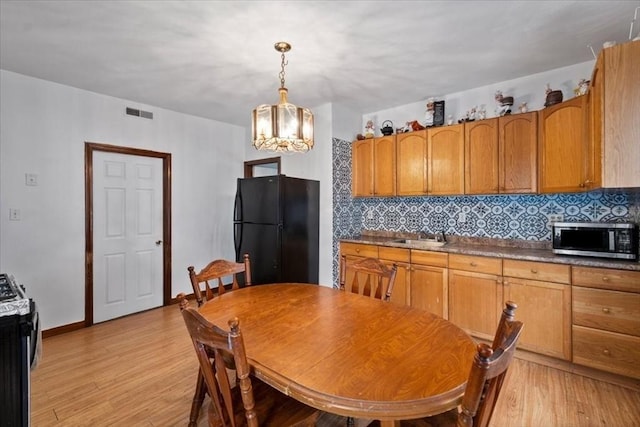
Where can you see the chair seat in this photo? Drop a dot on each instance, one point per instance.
(273, 409)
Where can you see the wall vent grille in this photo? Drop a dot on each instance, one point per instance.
(139, 113)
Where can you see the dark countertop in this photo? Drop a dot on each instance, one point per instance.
(501, 248)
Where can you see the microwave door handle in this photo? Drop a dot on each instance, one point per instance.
(612, 240)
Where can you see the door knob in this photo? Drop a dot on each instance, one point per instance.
(158, 242)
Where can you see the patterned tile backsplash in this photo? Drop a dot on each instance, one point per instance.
(507, 216)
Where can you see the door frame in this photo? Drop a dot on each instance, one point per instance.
(89, 149)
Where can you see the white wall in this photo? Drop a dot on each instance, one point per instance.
(529, 89)
(43, 129)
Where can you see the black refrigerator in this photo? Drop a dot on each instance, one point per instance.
(276, 221)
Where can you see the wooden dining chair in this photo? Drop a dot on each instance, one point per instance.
(488, 371)
(368, 276)
(219, 270)
(252, 402)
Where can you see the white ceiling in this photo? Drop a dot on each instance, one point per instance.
(216, 59)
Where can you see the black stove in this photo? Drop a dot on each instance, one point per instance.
(20, 348)
(8, 289)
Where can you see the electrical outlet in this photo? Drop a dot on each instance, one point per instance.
(369, 214)
(556, 218)
(14, 214)
(462, 217)
(31, 179)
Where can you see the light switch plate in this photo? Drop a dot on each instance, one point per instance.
(14, 214)
(31, 179)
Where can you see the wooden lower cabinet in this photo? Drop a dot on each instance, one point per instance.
(545, 309)
(606, 319)
(608, 351)
(475, 294)
(543, 294)
(429, 282)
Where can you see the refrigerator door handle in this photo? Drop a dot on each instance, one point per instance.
(237, 206)
(237, 238)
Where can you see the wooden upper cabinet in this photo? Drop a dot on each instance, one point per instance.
(445, 155)
(518, 153)
(374, 167)
(481, 157)
(362, 168)
(563, 148)
(384, 166)
(411, 170)
(616, 81)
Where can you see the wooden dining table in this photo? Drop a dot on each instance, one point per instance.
(348, 354)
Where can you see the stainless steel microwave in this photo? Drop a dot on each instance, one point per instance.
(596, 239)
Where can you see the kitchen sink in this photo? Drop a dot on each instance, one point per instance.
(420, 242)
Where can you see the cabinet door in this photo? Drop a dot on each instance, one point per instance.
(481, 157)
(429, 289)
(563, 147)
(411, 171)
(545, 309)
(621, 127)
(445, 155)
(517, 158)
(362, 168)
(384, 166)
(475, 302)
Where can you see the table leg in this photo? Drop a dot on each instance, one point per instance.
(390, 423)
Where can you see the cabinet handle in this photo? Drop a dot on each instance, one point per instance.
(534, 271)
(606, 352)
(605, 279)
(357, 250)
(473, 264)
(605, 310)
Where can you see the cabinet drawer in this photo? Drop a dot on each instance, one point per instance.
(394, 254)
(607, 351)
(479, 264)
(610, 310)
(605, 278)
(357, 249)
(556, 273)
(436, 259)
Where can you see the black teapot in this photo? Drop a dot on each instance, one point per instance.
(387, 128)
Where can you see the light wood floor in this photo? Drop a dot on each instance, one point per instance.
(140, 371)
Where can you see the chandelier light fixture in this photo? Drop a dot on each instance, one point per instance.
(283, 127)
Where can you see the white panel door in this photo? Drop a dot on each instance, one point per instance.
(127, 234)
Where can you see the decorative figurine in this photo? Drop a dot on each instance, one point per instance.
(431, 108)
(523, 107)
(449, 120)
(583, 87)
(504, 103)
(369, 129)
(415, 125)
(481, 113)
(553, 96)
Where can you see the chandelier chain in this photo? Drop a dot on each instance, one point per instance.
(281, 74)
